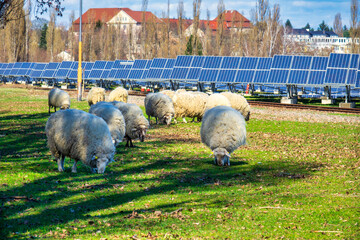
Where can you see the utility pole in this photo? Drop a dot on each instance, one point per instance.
(79, 79)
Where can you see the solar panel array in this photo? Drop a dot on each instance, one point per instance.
(336, 70)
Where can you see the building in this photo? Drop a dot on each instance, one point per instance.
(125, 18)
(320, 40)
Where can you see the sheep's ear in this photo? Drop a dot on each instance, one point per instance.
(134, 129)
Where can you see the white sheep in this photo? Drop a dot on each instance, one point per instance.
(160, 106)
(118, 94)
(189, 104)
(238, 102)
(216, 99)
(136, 123)
(58, 98)
(81, 136)
(95, 95)
(113, 117)
(169, 93)
(223, 130)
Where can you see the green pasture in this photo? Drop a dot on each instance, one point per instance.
(293, 180)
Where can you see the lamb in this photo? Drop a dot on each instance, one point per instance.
(58, 98)
(160, 106)
(136, 123)
(113, 117)
(95, 95)
(189, 104)
(119, 94)
(82, 136)
(223, 130)
(239, 103)
(216, 99)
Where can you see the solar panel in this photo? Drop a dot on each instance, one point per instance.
(8, 69)
(341, 69)
(230, 63)
(226, 75)
(139, 69)
(197, 62)
(194, 74)
(212, 62)
(317, 71)
(300, 69)
(246, 70)
(183, 61)
(99, 70)
(262, 70)
(120, 70)
(3, 68)
(64, 69)
(38, 69)
(280, 69)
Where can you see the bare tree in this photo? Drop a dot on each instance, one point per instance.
(338, 28)
(50, 35)
(220, 33)
(143, 28)
(196, 14)
(181, 13)
(354, 33)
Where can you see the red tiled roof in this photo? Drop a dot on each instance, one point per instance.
(175, 22)
(106, 14)
(98, 14)
(233, 16)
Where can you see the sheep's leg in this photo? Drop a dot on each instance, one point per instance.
(49, 109)
(184, 120)
(127, 142)
(73, 169)
(55, 109)
(60, 162)
(156, 120)
(131, 143)
(193, 120)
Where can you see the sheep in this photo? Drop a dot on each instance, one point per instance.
(82, 136)
(58, 98)
(136, 123)
(168, 93)
(160, 106)
(95, 95)
(223, 130)
(216, 99)
(189, 104)
(118, 94)
(113, 117)
(239, 103)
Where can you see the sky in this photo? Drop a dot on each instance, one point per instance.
(298, 12)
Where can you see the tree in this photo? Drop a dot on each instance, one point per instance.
(189, 46)
(288, 24)
(8, 7)
(196, 13)
(181, 13)
(346, 32)
(323, 26)
(220, 33)
(307, 26)
(42, 43)
(354, 27)
(338, 28)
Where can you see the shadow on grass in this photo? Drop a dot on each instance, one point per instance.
(197, 175)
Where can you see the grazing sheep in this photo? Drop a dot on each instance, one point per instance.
(223, 130)
(119, 94)
(216, 99)
(113, 117)
(160, 106)
(58, 98)
(136, 123)
(81, 136)
(239, 103)
(169, 93)
(95, 95)
(189, 104)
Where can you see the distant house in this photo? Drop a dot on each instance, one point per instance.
(119, 17)
(65, 56)
(319, 40)
(232, 20)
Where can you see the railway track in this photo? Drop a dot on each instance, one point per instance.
(305, 107)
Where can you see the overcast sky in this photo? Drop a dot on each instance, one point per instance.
(299, 12)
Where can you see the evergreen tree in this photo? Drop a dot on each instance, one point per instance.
(323, 26)
(43, 43)
(308, 27)
(346, 32)
(189, 48)
(288, 24)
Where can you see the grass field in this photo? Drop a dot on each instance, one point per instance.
(294, 180)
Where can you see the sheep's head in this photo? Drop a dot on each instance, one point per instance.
(140, 132)
(99, 164)
(64, 106)
(247, 117)
(222, 157)
(166, 119)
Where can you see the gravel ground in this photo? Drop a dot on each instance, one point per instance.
(280, 114)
